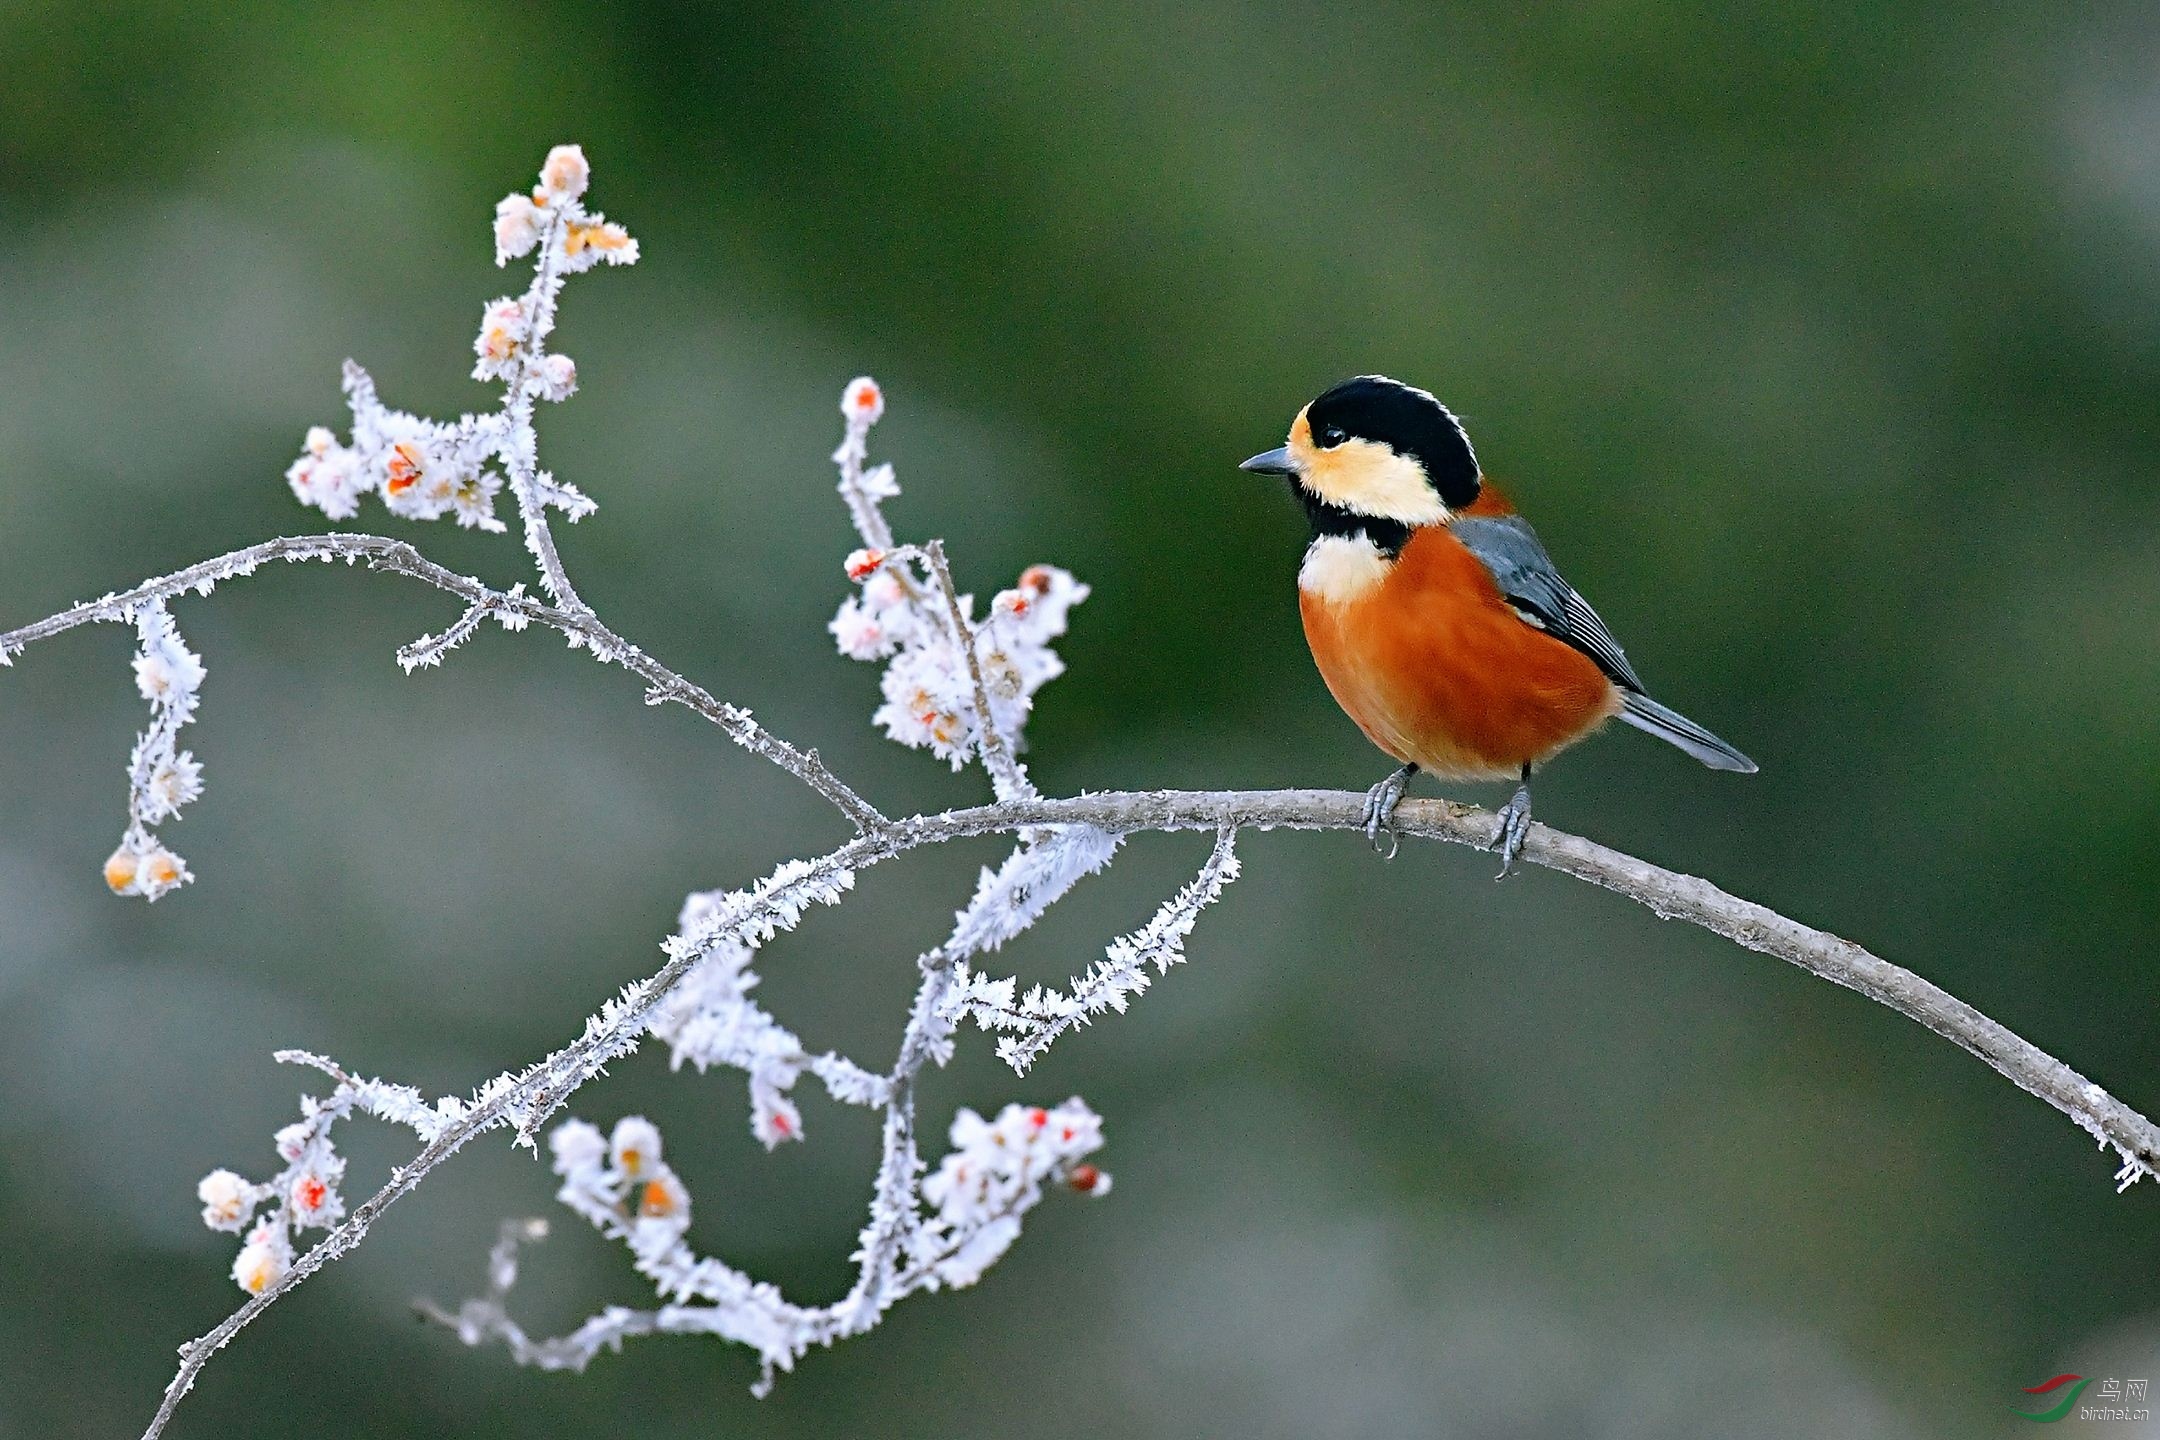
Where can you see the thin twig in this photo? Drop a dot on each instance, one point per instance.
(583, 628)
(1010, 780)
(518, 410)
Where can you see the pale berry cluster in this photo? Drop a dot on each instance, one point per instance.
(301, 1196)
(161, 776)
(995, 1174)
(553, 213)
(426, 469)
(900, 616)
(421, 469)
(304, 1195)
(505, 350)
(621, 1184)
(625, 1174)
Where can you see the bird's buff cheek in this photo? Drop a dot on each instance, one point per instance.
(1368, 478)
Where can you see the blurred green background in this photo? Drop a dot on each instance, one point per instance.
(1822, 342)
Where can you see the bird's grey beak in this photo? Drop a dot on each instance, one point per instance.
(1274, 462)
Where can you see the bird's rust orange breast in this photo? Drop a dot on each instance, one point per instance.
(1435, 667)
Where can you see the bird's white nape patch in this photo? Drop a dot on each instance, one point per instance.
(1342, 568)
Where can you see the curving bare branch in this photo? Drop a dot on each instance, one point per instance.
(379, 552)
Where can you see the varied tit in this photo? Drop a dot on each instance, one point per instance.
(1435, 616)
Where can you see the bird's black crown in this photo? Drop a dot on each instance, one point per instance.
(1408, 421)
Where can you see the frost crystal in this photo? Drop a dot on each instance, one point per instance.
(1011, 898)
(1110, 984)
(962, 689)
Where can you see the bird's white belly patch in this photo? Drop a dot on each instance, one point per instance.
(1342, 568)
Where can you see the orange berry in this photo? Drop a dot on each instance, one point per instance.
(663, 1197)
(161, 868)
(402, 472)
(121, 868)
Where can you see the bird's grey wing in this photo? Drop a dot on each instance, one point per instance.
(1508, 548)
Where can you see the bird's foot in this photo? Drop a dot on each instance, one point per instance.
(1514, 829)
(1380, 803)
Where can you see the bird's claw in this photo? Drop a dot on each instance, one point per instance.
(1380, 803)
(1514, 830)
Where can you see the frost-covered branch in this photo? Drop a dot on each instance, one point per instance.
(512, 345)
(161, 776)
(997, 757)
(1110, 984)
(958, 686)
(992, 1177)
(942, 693)
(512, 608)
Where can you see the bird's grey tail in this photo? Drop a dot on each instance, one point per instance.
(1674, 728)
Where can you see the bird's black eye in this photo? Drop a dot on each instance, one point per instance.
(1332, 435)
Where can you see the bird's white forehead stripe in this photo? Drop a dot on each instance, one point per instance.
(1342, 568)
